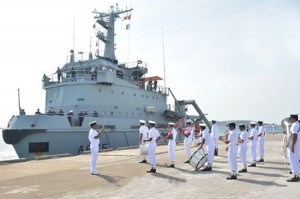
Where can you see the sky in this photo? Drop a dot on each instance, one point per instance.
(240, 60)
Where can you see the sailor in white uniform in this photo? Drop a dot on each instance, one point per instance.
(171, 136)
(253, 141)
(210, 146)
(232, 142)
(293, 148)
(143, 136)
(188, 138)
(94, 138)
(261, 140)
(153, 137)
(215, 135)
(243, 139)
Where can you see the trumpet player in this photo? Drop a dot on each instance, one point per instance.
(172, 134)
(188, 134)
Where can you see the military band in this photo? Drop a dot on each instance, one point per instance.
(148, 137)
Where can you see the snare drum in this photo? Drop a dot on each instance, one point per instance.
(198, 159)
(143, 149)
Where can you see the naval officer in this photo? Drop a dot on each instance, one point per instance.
(215, 135)
(143, 136)
(94, 138)
(171, 135)
(232, 142)
(188, 136)
(253, 141)
(210, 146)
(261, 140)
(243, 139)
(293, 148)
(153, 137)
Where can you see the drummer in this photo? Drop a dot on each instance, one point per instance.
(210, 146)
(172, 134)
(188, 134)
(232, 142)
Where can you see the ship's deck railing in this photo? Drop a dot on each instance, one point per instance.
(90, 76)
(134, 65)
(81, 56)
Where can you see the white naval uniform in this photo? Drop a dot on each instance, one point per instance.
(188, 141)
(243, 148)
(294, 159)
(215, 134)
(210, 146)
(94, 149)
(171, 146)
(154, 134)
(232, 151)
(253, 142)
(144, 132)
(261, 141)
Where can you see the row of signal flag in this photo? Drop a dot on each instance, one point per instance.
(128, 17)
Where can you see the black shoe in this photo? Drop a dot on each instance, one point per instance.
(293, 179)
(252, 165)
(188, 161)
(152, 171)
(207, 169)
(260, 160)
(143, 161)
(171, 166)
(232, 177)
(243, 171)
(216, 152)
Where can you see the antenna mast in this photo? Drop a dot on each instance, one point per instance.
(19, 101)
(74, 33)
(164, 63)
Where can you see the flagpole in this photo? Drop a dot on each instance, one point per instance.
(128, 55)
(74, 33)
(164, 63)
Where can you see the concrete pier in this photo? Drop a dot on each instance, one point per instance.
(121, 176)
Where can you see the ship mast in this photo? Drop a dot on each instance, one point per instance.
(107, 21)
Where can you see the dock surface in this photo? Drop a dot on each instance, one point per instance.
(121, 176)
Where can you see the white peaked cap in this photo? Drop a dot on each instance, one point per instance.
(151, 122)
(171, 123)
(142, 121)
(93, 122)
(253, 123)
(202, 124)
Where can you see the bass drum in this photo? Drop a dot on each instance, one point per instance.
(198, 159)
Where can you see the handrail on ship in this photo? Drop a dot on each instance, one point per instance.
(85, 75)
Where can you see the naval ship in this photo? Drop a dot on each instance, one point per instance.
(96, 88)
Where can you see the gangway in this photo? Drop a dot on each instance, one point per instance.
(180, 109)
(199, 111)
